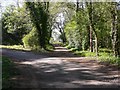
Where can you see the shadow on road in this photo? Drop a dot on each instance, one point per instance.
(65, 75)
(56, 70)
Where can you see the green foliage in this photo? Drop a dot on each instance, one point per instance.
(77, 30)
(110, 59)
(49, 47)
(18, 22)
(85, 53)
(15, 24)
(40, 18)
(15, 47)
(102, 23)
(70, 29)
(105, 55)
(31, 40)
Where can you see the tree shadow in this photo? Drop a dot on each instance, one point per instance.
(53, 70)
(64, 75)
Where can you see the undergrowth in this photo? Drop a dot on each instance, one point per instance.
(105, 55)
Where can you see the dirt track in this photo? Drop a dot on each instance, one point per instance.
(58, 70)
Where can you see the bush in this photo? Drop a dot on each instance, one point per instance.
(31, 40)
(49, 47)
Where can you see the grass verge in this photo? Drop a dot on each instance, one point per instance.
(22, 48)
(105, 55)
(16, 47)
(8, 71)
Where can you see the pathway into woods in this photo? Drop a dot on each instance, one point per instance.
(61, 69)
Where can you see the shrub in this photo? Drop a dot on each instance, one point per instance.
(31, 40)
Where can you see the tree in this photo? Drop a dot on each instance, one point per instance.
(92, 27)
(39, 16)
(114, 29)
(15, 24)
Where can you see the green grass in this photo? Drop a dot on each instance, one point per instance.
(59, 43)
(16, 47)
(20, 47)
(110, 59)
(49, 47)
(8, 71)
(105, 55)
(85, 53)
(105, 50)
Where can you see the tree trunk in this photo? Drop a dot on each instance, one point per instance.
(90, 12)
(91, 40)
(96, 45)
(114, 31)
(77, 8)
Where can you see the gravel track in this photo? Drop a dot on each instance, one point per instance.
(61, 69)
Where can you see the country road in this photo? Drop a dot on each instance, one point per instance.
(60, 69)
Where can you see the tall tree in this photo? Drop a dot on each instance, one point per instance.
(91, 23)
(114, 29)
(39, 17)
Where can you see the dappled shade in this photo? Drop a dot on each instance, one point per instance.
(43, 70)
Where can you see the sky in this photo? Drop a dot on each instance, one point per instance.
(5, 3)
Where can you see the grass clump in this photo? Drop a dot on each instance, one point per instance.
(105, 55)
(110, 60)
(85, 53)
